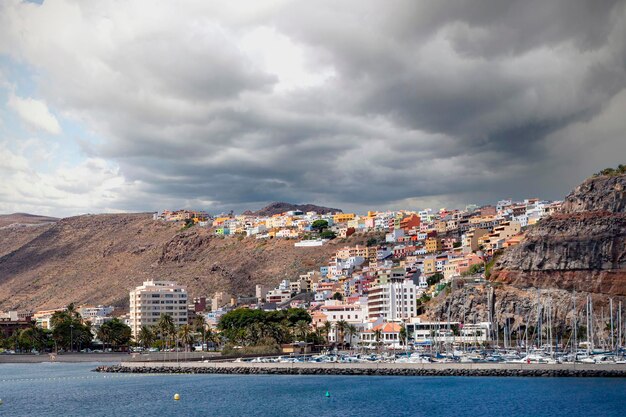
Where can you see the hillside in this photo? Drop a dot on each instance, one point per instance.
(281, 207)
(24, 219)
(98, 258)
(580, 250)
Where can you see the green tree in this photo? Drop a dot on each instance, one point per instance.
(337, 296)
(34, 337)
(378, 335)
(326, 329)
(302, 329)
(115, 333)
(372, 241)
(434, 278)
(328, 234)
(185, 335)
(352, 331)
(167, 328)
(199, 323)
(341, 327)
(146, 336)
(403, 335)
(252, 327)
(69, 331)
(319, 225)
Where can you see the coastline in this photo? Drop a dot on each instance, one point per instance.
(373, 369)
(107, 357)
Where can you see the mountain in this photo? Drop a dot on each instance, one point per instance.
(24, 219)
(578, 252)
(281, 207)
(99, 258)
(19, 228)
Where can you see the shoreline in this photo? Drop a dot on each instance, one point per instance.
(373, 369)
(124, 357)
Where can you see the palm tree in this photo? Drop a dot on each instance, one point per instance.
(302, 328)
(145, 336)
(200, 324)
(105, 334)
(186, 336)
(34, 336)
(166, 327)
(352, 331)
(403, 335)
(213, 337)
(341, 327)
(326, 329)
(378, 334)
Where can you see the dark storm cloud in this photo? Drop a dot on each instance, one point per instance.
(423, 101)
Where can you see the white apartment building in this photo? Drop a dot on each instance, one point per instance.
(91, 313)
(155, 298)
(393, 301)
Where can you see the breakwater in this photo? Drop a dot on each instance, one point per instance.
(375, 369)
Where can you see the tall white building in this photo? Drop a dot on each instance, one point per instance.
(155, 298)
(394, 301)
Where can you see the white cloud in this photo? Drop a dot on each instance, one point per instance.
(91, 185)
(356, 104)
(35, 113)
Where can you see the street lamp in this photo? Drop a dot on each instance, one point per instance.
(71, 337)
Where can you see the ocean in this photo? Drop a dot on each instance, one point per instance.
(64, 389)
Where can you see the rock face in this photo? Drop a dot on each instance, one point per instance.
(582, 248)
(99, 258)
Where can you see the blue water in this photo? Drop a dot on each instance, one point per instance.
(72, 390)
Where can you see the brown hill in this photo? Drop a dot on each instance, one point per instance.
(281, 207)
(99, 258)
(24, 219)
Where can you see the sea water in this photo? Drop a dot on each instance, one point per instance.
(62, 389)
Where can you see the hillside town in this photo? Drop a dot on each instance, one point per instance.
(366, 295)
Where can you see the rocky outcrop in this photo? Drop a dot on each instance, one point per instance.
(578, 252)
(601, 193)
(581, 248)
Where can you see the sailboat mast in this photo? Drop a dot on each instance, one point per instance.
(588, 325)
(611, 312)
(575, 326)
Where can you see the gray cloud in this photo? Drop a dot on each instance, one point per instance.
(423, 102)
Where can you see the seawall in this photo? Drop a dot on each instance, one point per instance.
(377, 369)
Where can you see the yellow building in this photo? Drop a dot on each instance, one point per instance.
(433, 244)
(430, 265)
(343, 217)
(220, 220)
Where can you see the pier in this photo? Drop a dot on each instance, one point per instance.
(374, 369)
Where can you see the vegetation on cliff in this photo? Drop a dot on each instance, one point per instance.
(612, 172)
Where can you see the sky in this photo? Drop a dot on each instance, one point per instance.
(113, 106)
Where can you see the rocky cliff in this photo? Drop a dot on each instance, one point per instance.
(99, 258)
(580, 250)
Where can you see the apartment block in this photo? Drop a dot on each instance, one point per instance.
(148, 302)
